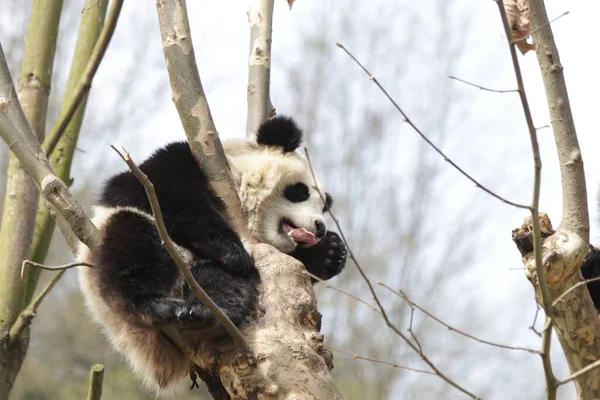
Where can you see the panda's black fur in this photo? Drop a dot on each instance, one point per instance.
(136, 289)
(590, 270)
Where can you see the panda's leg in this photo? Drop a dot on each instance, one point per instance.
(591, 269)
(204, 230)
(136, 276)
(236, 296)
(325, 259)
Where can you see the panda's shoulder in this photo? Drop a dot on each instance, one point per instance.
(173, 155)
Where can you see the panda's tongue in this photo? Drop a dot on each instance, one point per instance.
(300, 235)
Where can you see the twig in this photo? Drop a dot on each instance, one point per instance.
(575, 286)
(550, 22)
(426, 139)
(86, 79)
(410, 329)
(25, 317)
(170, 246)
(329, 286)
(412, 304)
(358, 357)
(579, 373)
(482, 87)
(535, 317)
(534, 209)
(53, 268)
(384, 315)
(96, 378)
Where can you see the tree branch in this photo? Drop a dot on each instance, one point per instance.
(77, 92)
(391, 364)
(194, 111)
(412, 304)
(285, 339)
(574, 317)
(425, 138)
(415, 347)
(575, 207)
(260, 18)
(20, 204)
(93, 38)
(542, 284)
(25, 317)
(53, 189)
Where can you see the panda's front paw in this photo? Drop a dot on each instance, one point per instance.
(237, 261)
(335, 255)
(325, 259)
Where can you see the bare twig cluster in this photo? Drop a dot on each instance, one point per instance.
(413, 344)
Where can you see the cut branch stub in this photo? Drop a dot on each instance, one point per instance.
(575, 318)
(562, 251)
(523, 236)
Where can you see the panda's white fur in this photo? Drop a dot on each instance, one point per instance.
(135, 289)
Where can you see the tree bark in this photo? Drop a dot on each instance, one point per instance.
(260, 18)
(575, 318)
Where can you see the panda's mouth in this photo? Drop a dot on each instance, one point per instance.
(298, 235)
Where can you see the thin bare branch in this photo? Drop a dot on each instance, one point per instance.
(573, 287)
(329, 286)
(391, 364)
(86, 78)
(384, 315)
(53, 268)
(535, 317)
(25, 317)
(534, 208)
(482, 87)
(170, 246)
(578, 374)
(549, 23)
(411, 303)
(426, 139)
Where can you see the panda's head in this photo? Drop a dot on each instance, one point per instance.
(276, 186)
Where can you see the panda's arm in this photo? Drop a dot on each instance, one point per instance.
(590, 270)
(325, 259)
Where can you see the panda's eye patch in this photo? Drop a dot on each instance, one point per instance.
(296, 193)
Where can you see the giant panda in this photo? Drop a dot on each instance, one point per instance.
(135, 289)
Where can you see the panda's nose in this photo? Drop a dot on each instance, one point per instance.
(320, 229)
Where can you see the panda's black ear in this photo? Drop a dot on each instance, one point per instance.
(280, 131)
